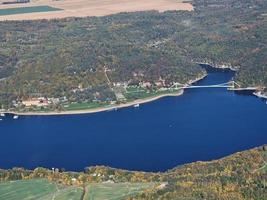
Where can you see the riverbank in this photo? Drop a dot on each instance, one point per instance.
(100, 109)
(260, 95)
(107, 108)
(218, 66)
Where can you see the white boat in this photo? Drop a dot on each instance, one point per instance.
(15, 117)
(136, 105)
(1, 119)
(112, 109)
(2, 114)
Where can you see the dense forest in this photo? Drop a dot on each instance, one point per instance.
(239, 176)
(57, 57)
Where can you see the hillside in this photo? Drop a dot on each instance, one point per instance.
(239, 176)
(95, 59)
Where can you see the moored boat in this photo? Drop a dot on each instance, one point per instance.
(136, 105)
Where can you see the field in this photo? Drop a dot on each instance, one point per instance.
(83, 106)
(12, 11)
(45, 190)
(84, 8)
(117, 191)
(37, 189)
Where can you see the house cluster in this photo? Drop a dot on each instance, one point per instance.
(39, 102)
(159, 84)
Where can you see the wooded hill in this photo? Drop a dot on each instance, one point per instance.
(53, 58)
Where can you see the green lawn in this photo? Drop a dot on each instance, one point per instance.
(21, 10)
(115, 191)
(37, 189)
(83, 106)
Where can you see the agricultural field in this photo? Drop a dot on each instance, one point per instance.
(37, 189)
(84, 8)
(46, 190)
(115, 191)
(21, 10)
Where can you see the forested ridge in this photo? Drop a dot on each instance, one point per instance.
(57, 58)
(242, 175)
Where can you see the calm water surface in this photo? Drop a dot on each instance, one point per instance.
(202, 124)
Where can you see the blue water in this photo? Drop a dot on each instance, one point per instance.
(202, 124)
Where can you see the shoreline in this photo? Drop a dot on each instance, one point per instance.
(110, 108)
(260, 95)
(218, 66)
(96, 110)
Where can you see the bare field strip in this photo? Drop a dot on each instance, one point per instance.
(84, 8)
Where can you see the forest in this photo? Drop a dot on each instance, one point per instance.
(54, 58)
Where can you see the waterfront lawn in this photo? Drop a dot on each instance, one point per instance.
(22, 10)
(83, 106)
(37, 189)
(112, 191)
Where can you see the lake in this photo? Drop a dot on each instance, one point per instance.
(203, 124)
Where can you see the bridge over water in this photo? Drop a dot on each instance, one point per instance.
(231, 85)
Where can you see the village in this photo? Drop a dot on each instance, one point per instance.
(123, 93)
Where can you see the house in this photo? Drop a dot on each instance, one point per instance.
(36, 102)
(146, 84)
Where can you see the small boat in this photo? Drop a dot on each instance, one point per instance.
(1, 119)
(136, 105)
(112, 109)
(15, 117)
(2, 114)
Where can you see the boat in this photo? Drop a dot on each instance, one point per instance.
(2, 114)
(112, 109)
(1, 119)
(136, 105)
(15, 117)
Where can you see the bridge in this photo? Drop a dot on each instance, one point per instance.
(231, 85)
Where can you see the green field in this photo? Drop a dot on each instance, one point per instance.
(13, 11)
(115, 191)
(37, 189)
(45, 190)
(83, 106)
